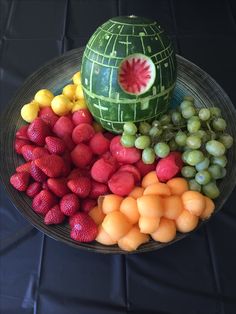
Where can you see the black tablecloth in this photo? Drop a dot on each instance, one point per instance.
(42, 276)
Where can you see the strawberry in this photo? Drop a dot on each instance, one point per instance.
(55, 145)
(19, 143)
(80, 186)
(144, 168)
(81, 155)
(82, 116)
(121, 183)
(39, 152)
(109, 135)
(99, 144)
(45, 186)
(48, 116)
(103, 169)
(43, 202)
(169, 166)
(36, 173)
(69, 204)
(27, 152)
(84, 229)
(37, 131)
(126, 155)
(24, 167)
(98, 189)
(20, 180)
(70, 145)
(87, 204)
(64, 126)
(51, 165)
(132, 169)
(54, 216)
(82, 133)
(22, 133)
(58, 186)
(33, 189)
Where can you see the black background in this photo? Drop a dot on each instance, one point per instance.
(41, 276)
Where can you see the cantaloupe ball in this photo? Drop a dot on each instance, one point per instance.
(149, 178)
(209, 209)
(79, 92)
(103, 237)
(30, 111)
(69, 91)
(148, 224)
(97, 127)
(44, 97)
(178, 186)
(150, 206)
(79, 104)
(137, 192)
(116, 225)
(97, 215)
(133, 239)
(77, 78)
(173, 206)
(186, 221)
(158, 188)
(166, 231)
(194, 202)
(129, 207)
(111, 202)
(61, 105)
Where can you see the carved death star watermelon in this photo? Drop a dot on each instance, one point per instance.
(128, 71)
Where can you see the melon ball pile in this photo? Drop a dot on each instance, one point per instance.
(154, 180)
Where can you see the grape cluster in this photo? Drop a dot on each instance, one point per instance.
(199, 133)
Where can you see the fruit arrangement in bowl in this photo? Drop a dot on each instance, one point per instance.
(115, 155)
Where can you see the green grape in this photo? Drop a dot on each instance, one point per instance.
(194, 157)
(215, 148)
(156, 123)
(188, 172)
(226, 140)
(223, 173)
(189, 98)
(165, 119)
(215, 111)
(188, 112)
(180, 138)
(144, 128)
(173, 145)
(211, 135)
(193, 142)
(185, 156)
(204, 114)
(203, 165)
(186, 104)
(176, 118)
(220, 161)
(219, 124)
(130, 128)
(194, 186)
(148, 155)
(211, 190)
(203, 177)
(215, 171)
(167, 135)
(128, 140)
(142, 142)
(200, 133)
(155, 132)
(162, 149)
(193, 125)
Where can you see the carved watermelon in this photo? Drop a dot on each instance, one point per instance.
(128, 71)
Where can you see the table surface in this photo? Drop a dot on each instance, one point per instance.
(42, 276)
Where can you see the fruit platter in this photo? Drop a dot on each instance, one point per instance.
(121, 146)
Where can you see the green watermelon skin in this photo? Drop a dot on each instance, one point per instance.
(113, 41)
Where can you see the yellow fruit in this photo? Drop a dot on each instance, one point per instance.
(97, 215)
(111, 202)
(209, 209)
(129, 207)
(150, 206)
(79, 92)
(76, 78)
(116, 225)
(44, 97)
(103, 237)
(177, 186)
(166, 231)
(148, 224)
(158, 188)
(97, 127)
(79, 104)
(30, 111)
(133, 239)
(186, 221)
(173, 206)
(69, 91)
(194, 202)
(149, 178)
(137, 192)
(61, 105)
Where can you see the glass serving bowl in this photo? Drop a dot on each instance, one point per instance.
(191, 80)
